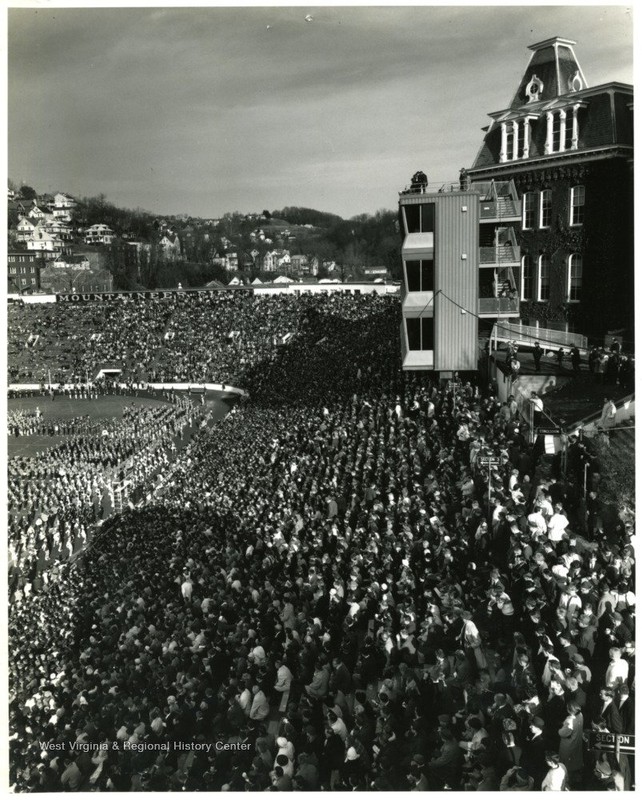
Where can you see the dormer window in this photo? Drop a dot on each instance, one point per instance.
(562, 130)
(516, 139)
(576, 83)
(534, 89)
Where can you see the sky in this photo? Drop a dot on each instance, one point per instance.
(207, 110)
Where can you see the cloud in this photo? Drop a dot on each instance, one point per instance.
(210, 96)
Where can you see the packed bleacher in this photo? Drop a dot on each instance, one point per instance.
(326, 593)
(181, 337)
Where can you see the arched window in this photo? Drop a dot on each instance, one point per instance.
(575, 266)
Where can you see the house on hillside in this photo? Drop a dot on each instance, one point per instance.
(170, 247)
(62, 229)
(274, 260)
(25, 229)
(302, 265)
(63, 201)
(37, 212)
(99, 234)
(43, 241)
(62, 214)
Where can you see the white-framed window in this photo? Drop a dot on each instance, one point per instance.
(578, 200)
(545, 208)
(529, 212)
(544, 278)
(527, 278)
(575, 268)
(556, 133)
(510, 141)
(569, 132)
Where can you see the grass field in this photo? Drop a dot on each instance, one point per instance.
(106, 407)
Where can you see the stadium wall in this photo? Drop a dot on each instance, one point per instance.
(260, 291)
(179, 387)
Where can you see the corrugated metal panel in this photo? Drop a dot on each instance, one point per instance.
(456, 281)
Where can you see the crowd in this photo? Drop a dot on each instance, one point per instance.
(55, 498)
(333, 590)
(182, 337)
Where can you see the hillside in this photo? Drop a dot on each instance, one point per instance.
(235, 244)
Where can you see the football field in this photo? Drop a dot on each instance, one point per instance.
(104, 407)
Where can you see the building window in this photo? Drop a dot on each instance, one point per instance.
(420, 218)
(545, 208)
(521, 140)
(510, 142)
(530, 210)
(556, 133)
(527, 278)
(578, 199)
(420, 275)
(421, 333)
(544, 283)
(574, 278)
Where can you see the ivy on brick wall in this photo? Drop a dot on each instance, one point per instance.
(544, 312)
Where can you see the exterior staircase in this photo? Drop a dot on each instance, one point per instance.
(506, 207)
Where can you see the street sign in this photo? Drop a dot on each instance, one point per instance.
(549, 431)
(488, 461)
(612, 742)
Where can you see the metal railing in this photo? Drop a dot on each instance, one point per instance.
(504, 254)
(528, 334)
(498, 305)
(502, 208)
(623, 403)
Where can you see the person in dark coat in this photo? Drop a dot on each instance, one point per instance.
(537, 355)
(534, 750)
(626, 707)
(445, 767)
(332, 759)
(576, 359)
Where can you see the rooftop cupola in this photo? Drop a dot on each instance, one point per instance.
(552, 72)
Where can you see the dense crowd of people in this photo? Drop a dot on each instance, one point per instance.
(361, 579)
(56, 498)
(181, 337)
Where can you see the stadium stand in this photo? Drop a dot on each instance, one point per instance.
(361, 579)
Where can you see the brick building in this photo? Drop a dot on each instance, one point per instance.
(568, 149)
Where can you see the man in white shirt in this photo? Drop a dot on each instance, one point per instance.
(283, 684)
(557, 524)
(538, 407)
(617, 671)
